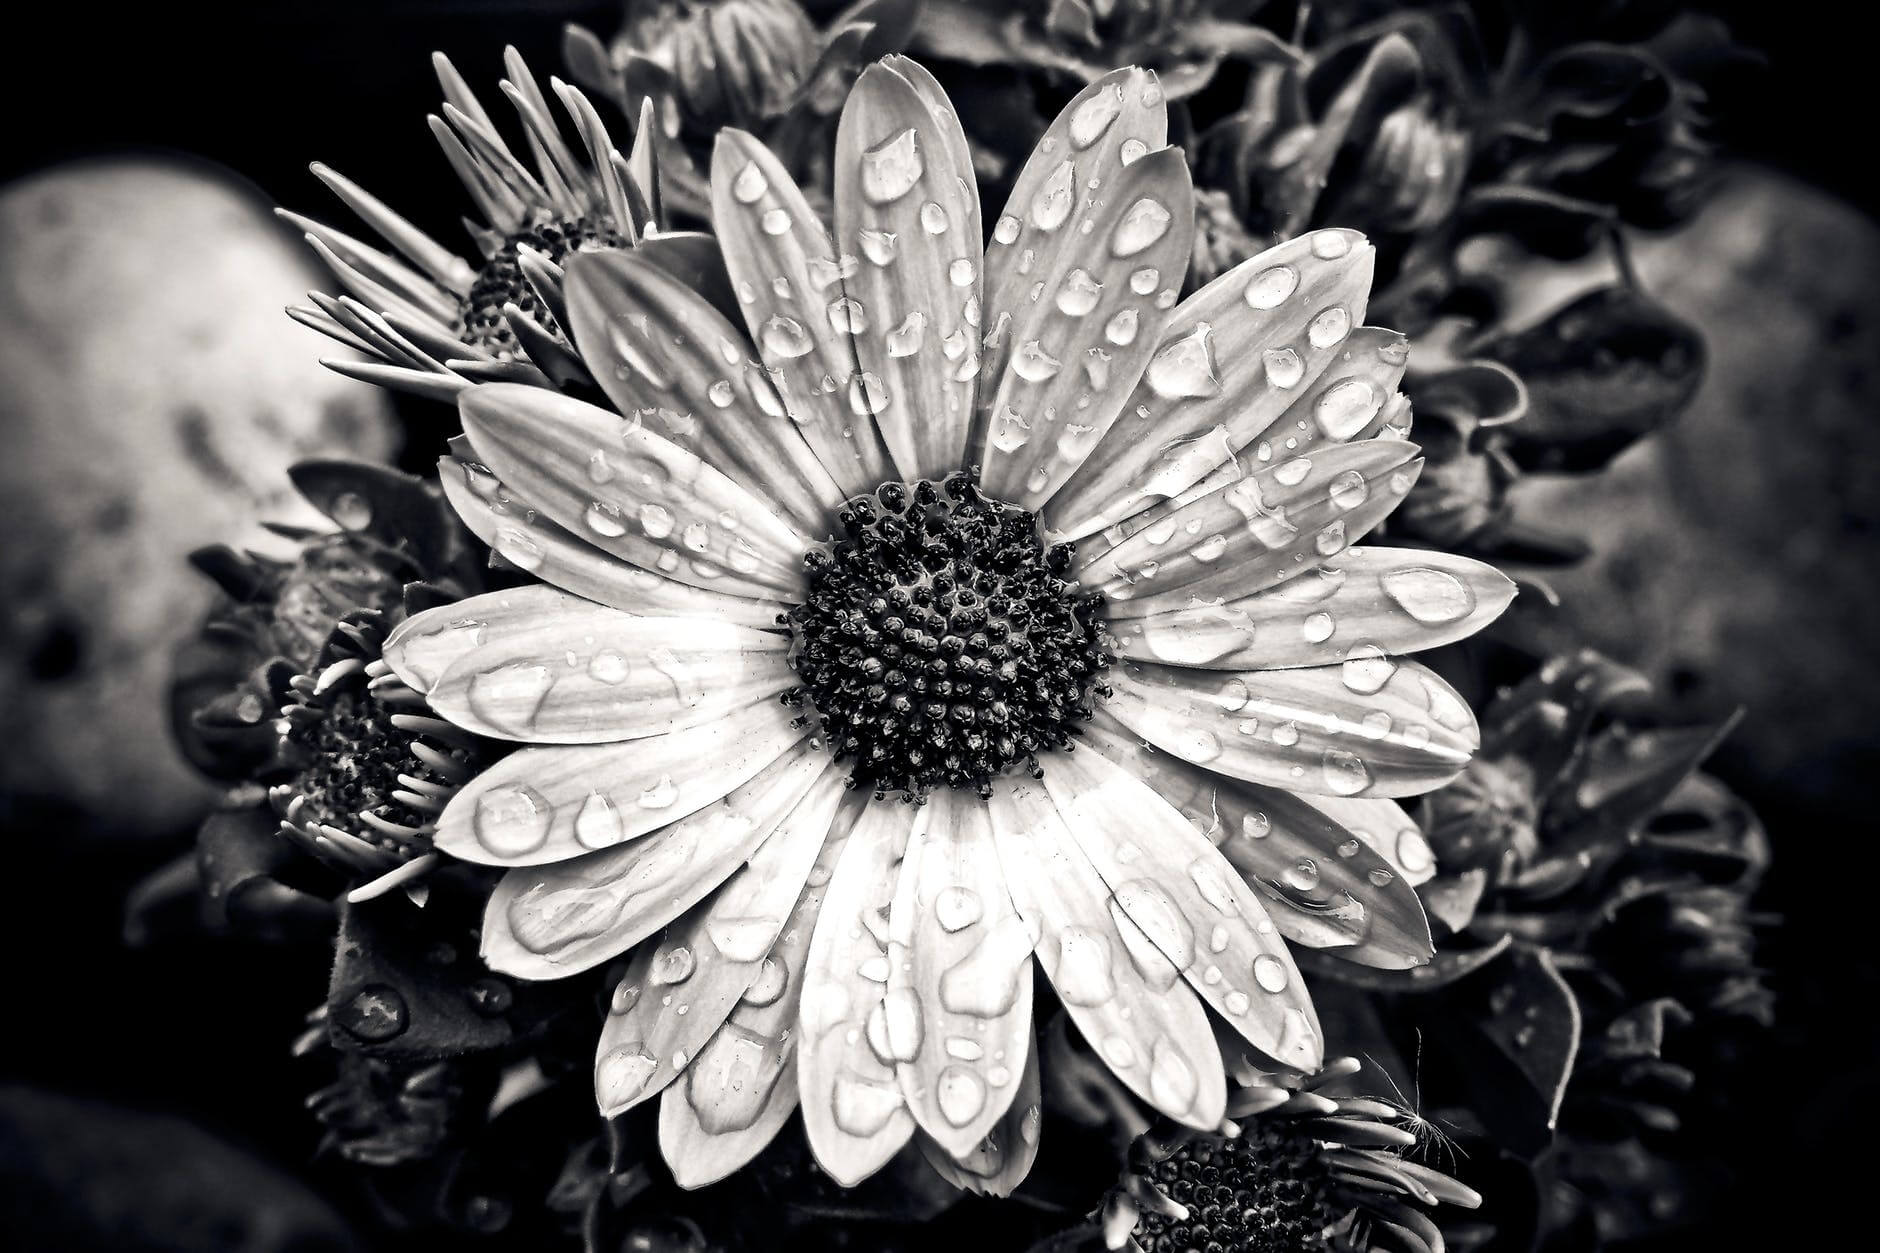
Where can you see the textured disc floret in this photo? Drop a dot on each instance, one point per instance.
(940, 642)
(501, 281)
(1265, 1191)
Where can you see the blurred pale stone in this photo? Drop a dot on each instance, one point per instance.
(152, 394)
(1736, 554)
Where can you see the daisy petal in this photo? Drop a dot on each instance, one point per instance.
(957, 1016)
(1325, 886)
(1000, 1162)
(1353, 400)
(519, 533)
(787, 277)
(675, 994)
(1083, 283)
(542, 805)
(710, 1124)
(907, 204)
(1187, 903)
(594, 675)
(669, 359)
(1123, 995)
(1402, 600)
(1258, 531)
(853, 1109)
(1386, 830)
(630, 492)
(548, 922)
(1374, 726)
(1233, 358)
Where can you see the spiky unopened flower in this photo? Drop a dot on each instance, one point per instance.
(946, 512)
(448, 321)
(1304, 1172)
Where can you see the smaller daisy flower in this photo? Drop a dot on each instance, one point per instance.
(1302, 1172)
(431, 322)
(370, 767)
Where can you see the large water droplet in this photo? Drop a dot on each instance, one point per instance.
(657, 521)
(1006, 230)
(1185, 368)
(1331, 539)
(960, 1095)
(772, 978)
(891, 169)
(750, 184)
(957, 908)
(519, 549)
(901, 1024)
(1142, 224)
(1121, 329)
(672, 964)
(846, 317)
(1052, 205)
(597, 824)
(509, 696)
(1083, 973)
(784, 337)
(1094, 116)
(933, 219)
(729, 1084)
(1149, 907)
(774, 222)
(1317, 628)
(1010, 430)
(1079, 294)
(1284, 368)
(1173, 1084)
(1330, 245)
(877, 246)
(1367, 669)
(1348, 490)
(1302, 874)
(1330, 326)
(512, 821)
(741, 939)
(863, 1107)
(984, 983)
(1433, 597)
(1346, 408)
(1270, 973)
(1345, 773)
(1286, 734)
(620, 1076)
(1293, 472)
(1270, 287)
(1033, 364)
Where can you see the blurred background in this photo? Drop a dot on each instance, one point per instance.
(151, 394)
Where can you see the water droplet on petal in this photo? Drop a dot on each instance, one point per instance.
(1293, 472)
(1149, 908)
(1329, 327)
(1052, 205)
(862, 1107)
(774, 221)
(1317, 628)
(1033, 364)
(750, 184)
(957, 908)
(905, 339)
(1330, 245)
(1006, 229)
(1284, 368)
(1121, 329)
(961, 273)
(877, 246)
(1348, 490)
(784, 337)
(1432, 597)
(1270, 287)
(890, 169)
(933, 219)
(672, 965)
(620, 1075)
(1142, 224)
(1185, 367)
(1346, 408)
(741, 939)
(1345, 773)
(960, 1095)
(1079, 294)
(1172, 1081)
(846, 317)
(1132, 151)
(1367, 669)
(1094, 116)
(867, 393)
(597, 825)
(1269, 972)
(512, 821)
(1082, 976)
(1286, 734)
(661, 794)
(1331, 540)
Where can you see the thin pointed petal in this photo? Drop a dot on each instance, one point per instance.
(658, 349)
(853, 1109)
(1233, 358)
(628, 491)
(517, 532)
(902, 193)
(1124, 998)
(1401, 600)
(786, 276)
(723, 1123)
(1374, 726)
(449, 269)
(1325, 886)
(678, 992)
(1272, 525)
(957, 1015)
(551, 921)
(1186, 901)
(542, 805)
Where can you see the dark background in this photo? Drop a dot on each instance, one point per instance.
(263, 88)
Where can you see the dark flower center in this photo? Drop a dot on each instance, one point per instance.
(940, 642)
(1266, 1191)
(350, 762)
(501, 282)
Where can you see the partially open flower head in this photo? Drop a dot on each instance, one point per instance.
(1007, 531)
(763, 66)
(428, 319)
(278, 612)
(1302, 1171)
